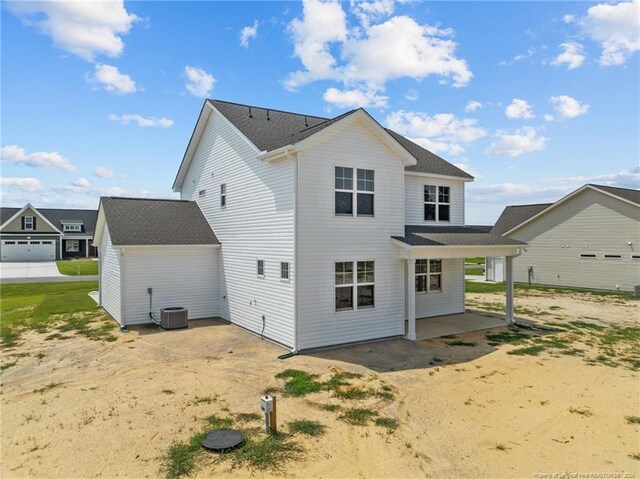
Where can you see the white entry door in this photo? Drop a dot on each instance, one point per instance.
(28, 250)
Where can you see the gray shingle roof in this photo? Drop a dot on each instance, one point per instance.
(512, 216)
(138, 221)
(626, 193)
(452, 236)
(56, 215)
(286, 128)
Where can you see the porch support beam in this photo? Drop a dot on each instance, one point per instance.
(86, 251)
(411, 299)
(509, 283)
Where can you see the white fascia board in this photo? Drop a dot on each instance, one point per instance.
(407, 158)
(27, 206)
(563, 200)
(166, 246)
(100, 222)
(443, 177)
(282, 152)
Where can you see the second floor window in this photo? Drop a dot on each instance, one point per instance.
(345, 193)
(260, 268)
(223, 195)
(28, 223)
(437, 203)
(72, 228)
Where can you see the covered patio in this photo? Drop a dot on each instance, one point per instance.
(438, 244)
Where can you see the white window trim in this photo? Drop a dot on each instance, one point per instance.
(202, 193)
(428, 275)
(223, 195)
(354, 193)
(72, 242)
(288, 278)
(30, 227)
(258, 261)
(72, 228)
(437, 203)
(354, 285)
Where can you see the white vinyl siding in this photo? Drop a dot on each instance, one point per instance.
(589, 223)
(450, 300)
(414, 200)
(257, 222)
(185, 276)
(110, 263)
(324, 239)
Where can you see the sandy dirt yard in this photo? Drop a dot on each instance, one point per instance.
(81, 408)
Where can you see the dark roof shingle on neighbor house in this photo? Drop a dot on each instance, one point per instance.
(628, 194)
(138, 221)
(452, 236)
(514, 215)
(56, 216)
(285, 128)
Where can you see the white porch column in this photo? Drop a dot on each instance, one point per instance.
(509, 283)
(411, 298)
(86, 252)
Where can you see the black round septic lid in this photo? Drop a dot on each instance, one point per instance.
(222, 440)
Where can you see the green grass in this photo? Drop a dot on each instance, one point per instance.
(299, 382)
(511, 336)
(217, 422)
(389, 423)
(266, 454)
(82, 267)
(635, 456)
(633, 419)
(309, 428)
(474, 260)
(501, 447)
(461, 343)
(528, 351)
(8, 365)
(523, 288)
(358, 416)
(474, 271)
(43, 306)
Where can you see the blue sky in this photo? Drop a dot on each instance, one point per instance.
(532, 98)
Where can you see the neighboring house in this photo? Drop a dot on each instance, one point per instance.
(588, 239)
(327, 231)
(45, 234)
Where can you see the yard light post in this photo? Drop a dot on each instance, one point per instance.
(268, 406)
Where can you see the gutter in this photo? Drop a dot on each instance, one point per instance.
(284, 151)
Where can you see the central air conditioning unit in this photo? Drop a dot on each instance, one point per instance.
(173, 318)
(636, 289)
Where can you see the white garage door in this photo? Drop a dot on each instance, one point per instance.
(28, 250)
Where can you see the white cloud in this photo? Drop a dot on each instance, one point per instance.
(549, 118)
(85, 188)
(573, 55)
(40, 159)
(519, 57)
(568, 107)
(568, 18)
(440, 133)
(81, 182)
(102, 172)
(22, 184)
(524, 140)
(247, 33)
(472, 105)
(354, 98)
(412, 95)
(144, 122)
(110, 78)
(371, 11)
(199, 82)
(519, 110)
(86, 29)
(615, 27)
(550, 189)
(365, 57)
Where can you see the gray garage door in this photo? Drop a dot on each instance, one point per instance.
(28, 250)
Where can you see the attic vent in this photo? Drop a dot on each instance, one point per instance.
(250, 114)
(306, 123)
(267, 117)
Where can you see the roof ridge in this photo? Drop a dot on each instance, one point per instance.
(148, 199)
(614, 187)
(529, 204)
(267, 108)
(335, 118)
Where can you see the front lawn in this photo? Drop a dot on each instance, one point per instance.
(46, 306)
(81, 267)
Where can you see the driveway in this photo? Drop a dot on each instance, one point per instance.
(39, 269)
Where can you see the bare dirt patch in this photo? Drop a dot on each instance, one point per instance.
(81, 408)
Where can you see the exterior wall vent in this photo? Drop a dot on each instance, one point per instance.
(173, 318)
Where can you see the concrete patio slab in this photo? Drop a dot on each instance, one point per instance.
(428, 328)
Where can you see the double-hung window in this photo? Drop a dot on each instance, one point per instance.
(437, 203)
(260, 268)
(284, 271)
(354, 291)
(72, 246)
(28, 222)
(428, 275)
(349, 199)
(223, 195)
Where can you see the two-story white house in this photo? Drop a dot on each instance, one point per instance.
(309, 231)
